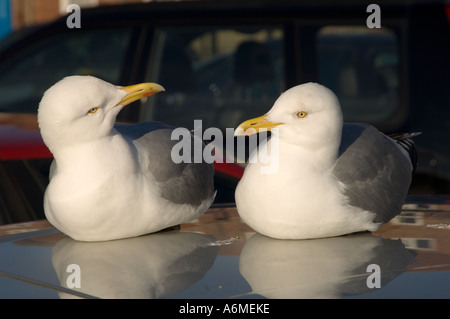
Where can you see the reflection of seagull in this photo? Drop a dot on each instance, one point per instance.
(152, 266)
(320, 268)
(332, 179)
(112, 182)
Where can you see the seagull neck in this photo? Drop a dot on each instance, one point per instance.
(318, 155)
(326, 157)
(88, 154)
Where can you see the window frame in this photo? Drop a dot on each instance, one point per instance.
(153, 51)
(128, 69)
(308, 68)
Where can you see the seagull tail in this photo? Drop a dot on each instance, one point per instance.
(406, 142)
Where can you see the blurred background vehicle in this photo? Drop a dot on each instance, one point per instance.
(227, 61)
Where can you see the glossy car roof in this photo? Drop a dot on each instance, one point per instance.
(218, 256)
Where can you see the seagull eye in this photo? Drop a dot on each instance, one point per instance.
(301, 114)
(93, 110)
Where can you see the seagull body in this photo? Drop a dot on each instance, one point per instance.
(113, 181)
(331, 178)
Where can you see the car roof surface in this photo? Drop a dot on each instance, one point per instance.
(217, 256)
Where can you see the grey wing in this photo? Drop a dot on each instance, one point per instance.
(374, 169)
(183, 183)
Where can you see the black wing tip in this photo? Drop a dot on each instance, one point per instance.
(404, 136)
(406, 142)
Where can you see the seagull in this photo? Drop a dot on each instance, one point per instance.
(330, 179)
(111, 181)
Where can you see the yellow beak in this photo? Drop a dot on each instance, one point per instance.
(139, 91)
(255, 125)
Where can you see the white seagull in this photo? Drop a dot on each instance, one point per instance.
(331, 178)
(111, 181)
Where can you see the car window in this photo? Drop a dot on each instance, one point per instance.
(219, 75)
(361, 66)
(31, 71)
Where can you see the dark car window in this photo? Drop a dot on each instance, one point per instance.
(361, 66)
(219, 75)
(25, 76)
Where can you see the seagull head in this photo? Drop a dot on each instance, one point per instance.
(308, 115)
(83, 108)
